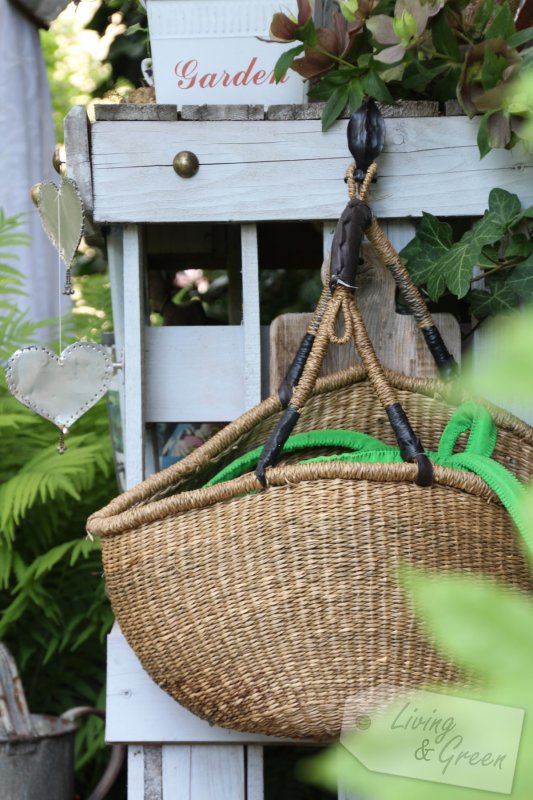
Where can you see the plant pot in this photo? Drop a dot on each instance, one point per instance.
(207, 52)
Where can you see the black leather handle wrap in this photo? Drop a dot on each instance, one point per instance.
(346, 244)
(294, 373)
(443, 358)
(411, 448)
(275, 442)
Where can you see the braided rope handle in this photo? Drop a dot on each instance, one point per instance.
(415, 301)
(342, 300)
(413, 297)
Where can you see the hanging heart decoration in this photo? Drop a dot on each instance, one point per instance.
(61, 212)
(60, 388)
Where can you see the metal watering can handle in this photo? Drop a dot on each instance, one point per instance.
(116, 760)
(14, 713)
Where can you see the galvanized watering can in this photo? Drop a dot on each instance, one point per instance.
(37, 750)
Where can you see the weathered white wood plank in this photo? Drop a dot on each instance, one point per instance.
(328, 231)
(139, 711)
(176, 772)
(139, 112)
(153, 777)
(255, 789)
(217, 772)
(78, 153)
(205, 375)
(216, 113)
(203, 369)
(135, 773)
(115, 261)
(261, 170)
(134, 356)
(250, 316)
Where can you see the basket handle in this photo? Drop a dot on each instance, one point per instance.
(342, 299)
(356, 220)
(357, 190)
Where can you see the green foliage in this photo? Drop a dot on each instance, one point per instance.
(420, 50)
(509, 376)
(499, 244)
(128, 47)
(54, 613)
(73, 72)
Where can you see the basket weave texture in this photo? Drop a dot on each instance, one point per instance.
(265, 611)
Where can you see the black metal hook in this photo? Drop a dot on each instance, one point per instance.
(366, 136)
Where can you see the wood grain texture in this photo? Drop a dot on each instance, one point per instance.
(405, 108)
(212, 113)
(397, 340)
(217, 771)
(254, 773)
(134, 356)
(153, 773)
(291, 170)
(176, 772)
(136, 773)
(77, 146)
(146, 112)
(78, 153)
(250, 316)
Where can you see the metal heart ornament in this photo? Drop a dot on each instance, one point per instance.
(60, 388)
(62, 215)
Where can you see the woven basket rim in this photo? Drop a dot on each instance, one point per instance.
(132, 519)
(143, 503)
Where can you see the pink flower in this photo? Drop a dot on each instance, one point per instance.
(402, 31)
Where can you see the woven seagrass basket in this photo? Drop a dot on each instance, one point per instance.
(265, 609)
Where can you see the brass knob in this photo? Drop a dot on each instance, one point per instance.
(186, 164)
(34, 193)
(57, 162)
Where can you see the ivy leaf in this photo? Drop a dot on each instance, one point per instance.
(355, 95)
(458, 262)
(377, 88)
(502, 25)
(520, 281)
(492, 68)
(334, 106)
(443, 36)
(433, 239)
(520, 246)
(504, 205)
(436, 285)
(527, 213)
(489, 257)
(484, 303)
(285, 61)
